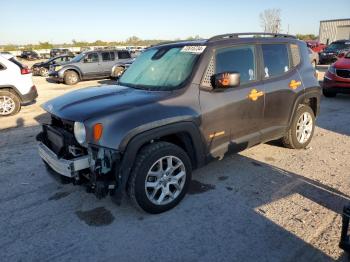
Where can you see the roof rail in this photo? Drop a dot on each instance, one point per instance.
(236, 35)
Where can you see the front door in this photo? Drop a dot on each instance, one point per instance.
(90, 65)
(232, 118)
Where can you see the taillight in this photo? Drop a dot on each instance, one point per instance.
(25, 71)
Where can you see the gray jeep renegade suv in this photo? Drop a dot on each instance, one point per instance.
(177, 107)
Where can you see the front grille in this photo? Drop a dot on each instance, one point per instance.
(344, 73)
(59, 137)
(61, 123)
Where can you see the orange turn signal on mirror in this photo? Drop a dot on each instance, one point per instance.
(97, 131)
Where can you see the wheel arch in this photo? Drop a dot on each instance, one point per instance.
(310, 98)
(75, 69)
(11, 89)
(185, 135)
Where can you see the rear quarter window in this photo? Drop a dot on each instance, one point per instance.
(295, 54)
(16, 62)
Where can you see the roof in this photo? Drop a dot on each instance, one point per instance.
(226, 37)
(6, 56)
(336, 20)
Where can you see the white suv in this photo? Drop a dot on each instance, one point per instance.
(16, 85)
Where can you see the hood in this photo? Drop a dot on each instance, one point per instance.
(342, 63)
(92, 102)
(39, 64)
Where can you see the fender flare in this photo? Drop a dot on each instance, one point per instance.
(63, 70)
(314, 92)
(140, 139)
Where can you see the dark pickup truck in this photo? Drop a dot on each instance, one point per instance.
(177, 107)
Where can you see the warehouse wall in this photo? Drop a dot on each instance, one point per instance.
(334, 30)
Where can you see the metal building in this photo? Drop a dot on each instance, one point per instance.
(332, 30)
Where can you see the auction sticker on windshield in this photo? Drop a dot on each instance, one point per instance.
(194, 49)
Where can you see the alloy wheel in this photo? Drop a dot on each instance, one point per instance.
(7, 105)
(304, 127)
(165, 180)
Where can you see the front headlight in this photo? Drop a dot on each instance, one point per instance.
(57, 68)
(79, 132)
(331, 69)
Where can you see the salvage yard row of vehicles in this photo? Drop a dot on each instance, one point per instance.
(179, 106)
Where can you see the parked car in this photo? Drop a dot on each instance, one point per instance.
(119, 68)
(177, 107)
(42, 68)
(337, 78)
(314, 58)
(330, 54)
(88, 65)
(60, 51)
(315, 45)
(29, 55)
(16, 85)
(345, 230)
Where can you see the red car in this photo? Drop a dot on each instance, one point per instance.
(337, 78)
(315, 45)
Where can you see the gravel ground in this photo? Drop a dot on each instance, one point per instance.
(267, 203)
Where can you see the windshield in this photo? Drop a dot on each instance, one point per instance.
(338, 46)
(162, 68)
(77, 58)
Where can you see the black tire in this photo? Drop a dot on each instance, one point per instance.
(290, 139)
(71, 77)
(145, 159)
(11, 98)
(44, 72)
(328, 93)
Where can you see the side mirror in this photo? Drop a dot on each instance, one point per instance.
(341, 55)
(225, 80)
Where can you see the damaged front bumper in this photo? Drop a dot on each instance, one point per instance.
(97, 168)
(67, 168)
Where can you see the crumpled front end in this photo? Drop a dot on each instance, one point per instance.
(93, 166)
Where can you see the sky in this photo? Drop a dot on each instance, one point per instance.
(62, 21)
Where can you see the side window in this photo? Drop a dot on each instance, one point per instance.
(107, 56)
(123, 55)
(91, 58)
(295, 53)
(240, 59)
(276, 60)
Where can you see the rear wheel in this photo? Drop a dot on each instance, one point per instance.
(9, 103)
(328, 93)
(301, 130)
(160, 177)
(71, 78)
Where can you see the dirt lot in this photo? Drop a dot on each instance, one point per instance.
(265, 204)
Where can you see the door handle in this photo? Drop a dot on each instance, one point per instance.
(255, 94)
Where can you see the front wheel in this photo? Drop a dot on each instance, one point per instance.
(160, 177)
(71, 78)
(301, 130)
(44, 72)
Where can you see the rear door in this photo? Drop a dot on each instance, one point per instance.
(232, 118)
(108, 61)
(90, 65)
(282, 84)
